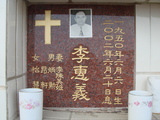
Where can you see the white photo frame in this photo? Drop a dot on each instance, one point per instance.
(80, 23)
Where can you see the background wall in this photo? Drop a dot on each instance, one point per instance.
(3, 108)
(16, 53)
(147, 43)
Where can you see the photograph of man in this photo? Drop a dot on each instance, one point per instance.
(80, 23)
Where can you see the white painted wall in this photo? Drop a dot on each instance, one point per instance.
(16, 54)
(147, 43)
(3, 104)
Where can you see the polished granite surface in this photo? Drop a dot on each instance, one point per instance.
(94, 71)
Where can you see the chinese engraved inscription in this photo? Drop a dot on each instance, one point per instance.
(95, 71)
(113, 75)
(58, 71)
(80, 72)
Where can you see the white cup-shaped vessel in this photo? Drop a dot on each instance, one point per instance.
(139, 105)
(31, 104)
(153, 86)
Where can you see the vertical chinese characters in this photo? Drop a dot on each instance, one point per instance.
(80, 72)
(57, 71)
(113, 63)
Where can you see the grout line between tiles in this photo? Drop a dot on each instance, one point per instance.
(154, 117)
(70, 115)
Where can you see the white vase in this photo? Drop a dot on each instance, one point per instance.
(31, 104)
(139, 105)
(153, 86)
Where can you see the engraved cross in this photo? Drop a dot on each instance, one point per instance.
(47, 23)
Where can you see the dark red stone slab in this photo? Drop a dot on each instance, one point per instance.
(105, 73)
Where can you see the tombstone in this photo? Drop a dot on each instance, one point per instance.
(93, 68)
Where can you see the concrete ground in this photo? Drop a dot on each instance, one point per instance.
(79, 115)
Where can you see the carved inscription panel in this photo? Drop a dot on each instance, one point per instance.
(81, 55)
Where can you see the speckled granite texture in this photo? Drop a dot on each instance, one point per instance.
(83, 72)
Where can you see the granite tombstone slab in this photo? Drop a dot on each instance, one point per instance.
(96, 70)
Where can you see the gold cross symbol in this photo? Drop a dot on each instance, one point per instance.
(47, 23)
